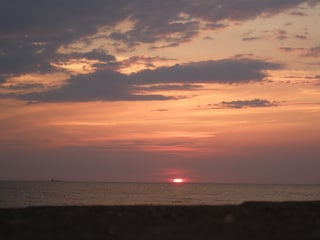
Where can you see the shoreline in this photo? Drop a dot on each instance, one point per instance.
(249, 220)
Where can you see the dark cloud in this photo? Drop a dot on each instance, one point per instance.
(241, 56)
(107, 85)
(291, 49)
(281, 34)
(213, 26)
(298, 13)
(208, 38)
(255, 103)
(312, 52)
(25, 86)
(147, 62)
(169, 87)
(178, 21)
(22, 56)
(99, 86)
(160, 110)
(251, 35)
(214, 11)
(105, 61)
(135, 62)
(171, 33)
(316, 77)
(78, 18)
(175, 44)
(250, 38)
(32, 31)
(299, 36)
(219, 71)
(2, 80)
(96, 54)
(58, 21)
(157, 20)
(314, 63)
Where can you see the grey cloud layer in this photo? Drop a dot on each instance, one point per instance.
(75, 18)
(32, 31)
(108, 85)
(219, 71)
(99, 86)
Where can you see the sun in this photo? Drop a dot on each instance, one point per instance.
(178, 180)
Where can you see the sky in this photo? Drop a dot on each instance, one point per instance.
(147, 90)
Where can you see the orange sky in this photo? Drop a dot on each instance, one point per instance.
(208, 91)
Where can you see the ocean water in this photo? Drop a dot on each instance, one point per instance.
(23, 194)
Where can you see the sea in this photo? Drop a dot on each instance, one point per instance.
(15, 194)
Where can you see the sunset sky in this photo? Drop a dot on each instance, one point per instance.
(150, 90)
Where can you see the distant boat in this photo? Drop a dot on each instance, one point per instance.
(55, 180)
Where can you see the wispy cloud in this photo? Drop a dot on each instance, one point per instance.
(250, 38)
(291, 49)
(302, 37)
(312, 52)
(237, 104)
(255, 103)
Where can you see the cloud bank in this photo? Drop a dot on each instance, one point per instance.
(33, 31)
(107, 85)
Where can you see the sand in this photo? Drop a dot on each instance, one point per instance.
(252, 220)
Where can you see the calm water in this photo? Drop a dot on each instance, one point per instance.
(22, 194)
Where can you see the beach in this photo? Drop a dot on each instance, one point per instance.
(249, 220)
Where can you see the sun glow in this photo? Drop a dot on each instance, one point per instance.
(178, 180)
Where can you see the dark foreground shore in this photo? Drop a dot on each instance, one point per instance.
(255, 220)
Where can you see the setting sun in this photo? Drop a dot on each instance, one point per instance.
(178, 180)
